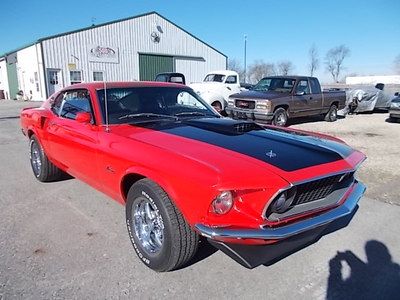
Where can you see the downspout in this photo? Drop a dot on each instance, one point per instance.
(44, 71)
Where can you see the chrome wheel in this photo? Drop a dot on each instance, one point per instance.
(148, 225)
(280, 118)
(36, 159)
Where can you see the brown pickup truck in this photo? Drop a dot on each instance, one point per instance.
(275, 99)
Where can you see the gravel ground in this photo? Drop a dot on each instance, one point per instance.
(65, 240)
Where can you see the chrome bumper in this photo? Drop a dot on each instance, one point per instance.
(280, 233)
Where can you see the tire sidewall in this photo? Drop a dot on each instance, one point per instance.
(333, 113)
(157, 261)
(280, 111)
(33, 140)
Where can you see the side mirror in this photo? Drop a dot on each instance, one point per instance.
(83, 117)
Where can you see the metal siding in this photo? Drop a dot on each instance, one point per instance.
(130, 36)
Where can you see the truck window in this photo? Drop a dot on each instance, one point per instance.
(315, 87)
(302, 87)
(231, 79)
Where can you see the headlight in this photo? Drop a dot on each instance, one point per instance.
(263, 104)
(231, 102)
(222, 203)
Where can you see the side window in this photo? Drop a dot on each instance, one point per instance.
(74, 102)
(315, 87)
(231, 79)
(302, 87)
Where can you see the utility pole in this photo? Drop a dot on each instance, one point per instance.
(245, 57)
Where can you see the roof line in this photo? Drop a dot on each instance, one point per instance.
(108, 23)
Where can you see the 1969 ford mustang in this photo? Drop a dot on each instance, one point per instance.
(183, 171)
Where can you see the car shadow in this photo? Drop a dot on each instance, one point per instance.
(392, 120)
(377, 278)
(311, 119)
(334, 226)
(205, 250)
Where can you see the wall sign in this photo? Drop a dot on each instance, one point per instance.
(105, 54)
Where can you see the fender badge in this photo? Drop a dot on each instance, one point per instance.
(270, 154)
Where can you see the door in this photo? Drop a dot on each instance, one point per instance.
(71, 143)
(54, 80)
(301, 98)
(151, 65)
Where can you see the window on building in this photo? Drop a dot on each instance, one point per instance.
(97, 76)
(36, 76)
(75, 77)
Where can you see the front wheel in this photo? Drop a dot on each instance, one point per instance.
(217, 106)
(161, 237)
(280, 117)
(331, 115)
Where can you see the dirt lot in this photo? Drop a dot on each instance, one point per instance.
(379, 140)
(64, 240)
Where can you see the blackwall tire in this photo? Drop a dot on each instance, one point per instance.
(161, 237)
(217, 106)
(280, 117)
(331, 115)
(43, 169)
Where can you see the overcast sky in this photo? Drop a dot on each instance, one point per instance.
(276, 30)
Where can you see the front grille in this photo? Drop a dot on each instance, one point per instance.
(318, 189)
(245, 104)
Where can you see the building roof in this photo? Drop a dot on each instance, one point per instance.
(105, 24)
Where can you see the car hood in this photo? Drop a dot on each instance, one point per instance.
(259, 95)
(221, 142)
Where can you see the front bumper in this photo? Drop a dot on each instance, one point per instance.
(297, 234)
(249, 114)
(394, 112)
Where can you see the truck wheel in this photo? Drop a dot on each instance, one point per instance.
(280, 117)
(161, 237)
(43, 169)
(217, 106)
(331, 115)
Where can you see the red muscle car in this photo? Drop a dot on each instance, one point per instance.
(183, 171)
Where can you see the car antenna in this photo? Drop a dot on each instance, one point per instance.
(106, 107)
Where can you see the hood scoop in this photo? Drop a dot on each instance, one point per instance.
(224, 125)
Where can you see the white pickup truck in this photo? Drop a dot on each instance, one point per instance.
(216, 88)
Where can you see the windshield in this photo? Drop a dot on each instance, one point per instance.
(284, 85)
(143, 104)
(214, 78)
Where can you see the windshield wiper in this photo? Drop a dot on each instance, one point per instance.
(147, 115)
(190, 113)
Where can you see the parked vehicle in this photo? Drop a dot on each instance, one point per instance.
(276, 99)
(394, 110)
(182, 170)
(216, 88)
(171, 77)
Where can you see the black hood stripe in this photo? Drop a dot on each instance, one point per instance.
(287, 151)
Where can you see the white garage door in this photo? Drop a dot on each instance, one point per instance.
(193, 69)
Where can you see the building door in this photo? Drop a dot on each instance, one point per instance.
(150, 65)
(54, 80)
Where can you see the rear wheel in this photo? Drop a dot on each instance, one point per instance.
(43, 169)
(161, 237)
(331, 115)
(280, 117)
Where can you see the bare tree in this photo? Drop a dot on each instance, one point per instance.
(314, 60)
(260, 69)
(235, 65)
(285, 67)
(396, 64)
(334, 60)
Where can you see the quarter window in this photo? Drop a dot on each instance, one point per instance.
(75, 77)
